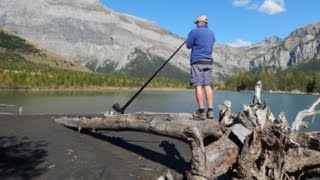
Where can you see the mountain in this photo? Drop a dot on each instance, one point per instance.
(86, 32)
(16, 49)
(91, 34)
(301, 46)
(236, 59)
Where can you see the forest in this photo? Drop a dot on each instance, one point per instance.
(28, 75)
(280, 81)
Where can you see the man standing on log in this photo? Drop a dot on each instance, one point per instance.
(200, 40)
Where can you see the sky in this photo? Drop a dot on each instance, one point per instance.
(234, 22)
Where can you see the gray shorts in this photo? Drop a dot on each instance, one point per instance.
(201, 75)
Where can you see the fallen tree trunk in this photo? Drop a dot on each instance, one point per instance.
(249, 145)
(166, 124)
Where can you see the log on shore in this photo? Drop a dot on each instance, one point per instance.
(165, 124)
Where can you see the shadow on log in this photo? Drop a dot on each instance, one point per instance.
(252, 144)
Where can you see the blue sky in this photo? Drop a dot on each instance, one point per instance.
(235, 22)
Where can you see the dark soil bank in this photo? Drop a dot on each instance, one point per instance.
(36, 147)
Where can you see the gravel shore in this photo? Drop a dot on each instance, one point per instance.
(36, 147)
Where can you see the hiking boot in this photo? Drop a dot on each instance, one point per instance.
(200, 115)
(210, 115)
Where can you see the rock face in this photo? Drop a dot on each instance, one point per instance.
(234, 59)
(87, 32)
(301, 45)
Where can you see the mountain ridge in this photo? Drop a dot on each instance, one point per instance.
(88, 31)
(303, 44)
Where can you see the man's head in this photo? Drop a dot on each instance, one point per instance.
(201, 20)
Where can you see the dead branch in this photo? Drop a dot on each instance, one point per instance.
(10, 109)
(298, 123)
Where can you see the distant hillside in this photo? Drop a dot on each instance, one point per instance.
(142, 65)
(25, 66)
(16, 49)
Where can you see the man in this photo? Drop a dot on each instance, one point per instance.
(200, 40)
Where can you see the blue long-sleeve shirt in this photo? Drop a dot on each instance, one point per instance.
(200, 40)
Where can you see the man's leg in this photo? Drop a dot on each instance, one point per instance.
(209, 96)
(196, 80)
(199, 96)
(210, 100)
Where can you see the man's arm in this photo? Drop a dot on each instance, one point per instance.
(189, 41)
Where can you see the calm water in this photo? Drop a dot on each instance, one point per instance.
(75, 102)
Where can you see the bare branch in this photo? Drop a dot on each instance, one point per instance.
(298, 123)
(258, 88)
(224, 113)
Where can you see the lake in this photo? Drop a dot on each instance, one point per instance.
(83, 102)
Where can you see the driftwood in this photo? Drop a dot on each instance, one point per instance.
(252, 144)
(10, 109)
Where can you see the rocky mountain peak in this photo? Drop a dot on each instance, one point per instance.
(273, 40)
(311, 29)
(302, 35)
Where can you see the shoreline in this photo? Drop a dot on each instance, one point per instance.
(96, 89)
(293, 92)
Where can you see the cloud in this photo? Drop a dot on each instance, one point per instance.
(240, 3)
(240, 43)
(272, 7)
